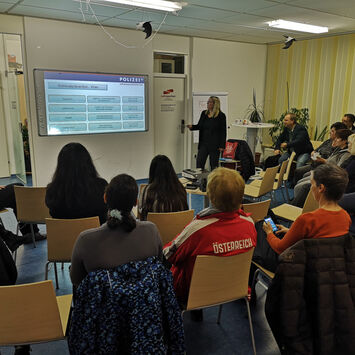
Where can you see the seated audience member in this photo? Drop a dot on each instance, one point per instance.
(339, 157)
(125, 301)
(348, 203)
(76, 190)
(349, 165)
(118, 241)
(349, 120)
(164, 192)
(222, 229)
(8, 200)
(295, 138)
(325, 150)
(329, 220)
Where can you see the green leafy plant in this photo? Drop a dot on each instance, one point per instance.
(302, 118)
(321, 135)
(254, 112)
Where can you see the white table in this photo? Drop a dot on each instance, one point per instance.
(252, 132)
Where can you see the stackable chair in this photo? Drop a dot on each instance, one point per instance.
(286, 174)
(31, 313)
(279, 179)
(31, 207)
(61, 237)
(170, 224)
(258, 210)
(217, 280)
(266, 185)
(291, 213)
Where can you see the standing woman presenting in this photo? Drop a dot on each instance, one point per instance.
(212, 135)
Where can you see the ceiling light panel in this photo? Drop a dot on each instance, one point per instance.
(297, 26)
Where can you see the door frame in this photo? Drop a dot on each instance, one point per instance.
(185, 138)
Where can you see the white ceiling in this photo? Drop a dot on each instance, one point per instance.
(233, 20)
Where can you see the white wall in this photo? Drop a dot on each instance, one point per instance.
(214, 66)
(233, 67)
(73, 46)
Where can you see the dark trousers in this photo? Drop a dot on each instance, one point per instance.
(7, 200)
(203, 152)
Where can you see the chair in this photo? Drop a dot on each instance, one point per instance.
(316, 144)
(61, 237)
(278, 179)
(170, 224)
(291, 213)
(286, 174)
(31, 207)
(259, 270)
(258, 210)
(266, 185)
(220, 279)
(31, 313)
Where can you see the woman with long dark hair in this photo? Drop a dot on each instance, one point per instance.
(164, 192)
(76, 190)
(121, 240)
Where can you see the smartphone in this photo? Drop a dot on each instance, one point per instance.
(273, 225)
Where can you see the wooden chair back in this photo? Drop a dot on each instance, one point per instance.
(282, 171)
(29, 314)
(62, 234)
(310, 204)
(30, 204)
(267, 183)
(258, 210)
(316, 144)
(170, 224)
(219, 279)
(288, 169)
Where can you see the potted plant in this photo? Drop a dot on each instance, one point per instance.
(254, 112)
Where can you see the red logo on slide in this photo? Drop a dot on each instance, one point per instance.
(167, 92)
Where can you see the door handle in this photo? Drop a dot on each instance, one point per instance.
(182, 127)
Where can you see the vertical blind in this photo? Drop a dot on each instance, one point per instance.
(321, 77)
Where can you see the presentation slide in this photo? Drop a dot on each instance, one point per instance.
(89, 103)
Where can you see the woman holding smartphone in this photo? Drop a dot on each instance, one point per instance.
(328, 183)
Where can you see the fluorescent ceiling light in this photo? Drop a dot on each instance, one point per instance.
(296, 26)
(161, 5)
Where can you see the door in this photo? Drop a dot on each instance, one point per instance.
(10, 118)
(169, 119)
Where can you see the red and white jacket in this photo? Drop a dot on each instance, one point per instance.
(220, 234)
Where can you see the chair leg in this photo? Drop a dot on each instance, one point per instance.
(56, 276)
(288, 196)
(253, 284)
(250, 326)
(219, 314)
(46, 270)
(33, 235)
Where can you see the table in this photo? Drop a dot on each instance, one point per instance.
(206, 201)
(252, 131)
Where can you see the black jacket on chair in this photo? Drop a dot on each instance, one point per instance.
(8, 271)
(245, 156)
(310, 305)
(300, 141)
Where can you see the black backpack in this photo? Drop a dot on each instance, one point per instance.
(8, 271)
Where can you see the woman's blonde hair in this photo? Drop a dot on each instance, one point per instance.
(216, 106)
(351, 139)
(225, 189)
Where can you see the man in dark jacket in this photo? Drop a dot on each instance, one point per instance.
(310, 305)
(295, 138)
